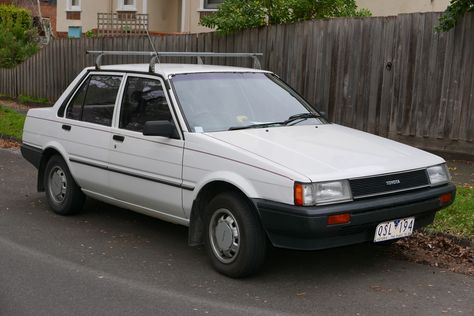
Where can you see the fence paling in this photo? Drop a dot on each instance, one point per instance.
(393, 76)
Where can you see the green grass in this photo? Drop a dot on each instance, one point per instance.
(28, 99)
(458, 219)
(11, 123)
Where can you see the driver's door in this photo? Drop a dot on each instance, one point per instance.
(146, 171)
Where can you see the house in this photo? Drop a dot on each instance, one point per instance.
(120, 17)
(395, 7)
(113, 16)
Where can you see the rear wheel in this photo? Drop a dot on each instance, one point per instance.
(235, 240)
(62, 193)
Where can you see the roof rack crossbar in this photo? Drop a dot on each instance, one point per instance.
(155, 56)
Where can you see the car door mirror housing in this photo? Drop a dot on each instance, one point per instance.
(160, 128)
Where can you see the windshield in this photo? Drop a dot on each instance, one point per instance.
(225, 101)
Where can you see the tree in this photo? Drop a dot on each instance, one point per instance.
(237, 15)
(455, 10)
(17, 36)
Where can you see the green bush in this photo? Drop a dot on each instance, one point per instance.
(14, 17)
(237, 15)
(455, 10)
(17, 36)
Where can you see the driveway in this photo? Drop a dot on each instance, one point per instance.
(110, 261)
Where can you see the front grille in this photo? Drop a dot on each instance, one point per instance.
(388, 183)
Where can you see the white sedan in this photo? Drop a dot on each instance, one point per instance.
(234, 154)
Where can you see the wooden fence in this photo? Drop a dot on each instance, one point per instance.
(392, 76)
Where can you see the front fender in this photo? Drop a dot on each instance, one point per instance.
(232, 178)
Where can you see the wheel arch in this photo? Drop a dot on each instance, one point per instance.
(49, 151)
(205, 194)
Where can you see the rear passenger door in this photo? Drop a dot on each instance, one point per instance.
(146, 171)
(86, 130)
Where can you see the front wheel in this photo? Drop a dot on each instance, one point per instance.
(62, 193)
(235, 239)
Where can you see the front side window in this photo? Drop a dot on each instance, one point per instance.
(94, 102)
(143, 100)
(214, 102)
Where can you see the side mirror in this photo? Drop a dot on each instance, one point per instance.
(160, 128)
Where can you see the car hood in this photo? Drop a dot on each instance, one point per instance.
(328, 152)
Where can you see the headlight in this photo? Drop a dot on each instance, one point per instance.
(307, 194)
(438, 174)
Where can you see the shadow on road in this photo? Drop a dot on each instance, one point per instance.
(342, 262)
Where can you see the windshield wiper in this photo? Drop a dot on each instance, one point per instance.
(259, 125)
(301, 116)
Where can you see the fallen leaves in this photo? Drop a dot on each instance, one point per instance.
(6, 143)
(438, 251)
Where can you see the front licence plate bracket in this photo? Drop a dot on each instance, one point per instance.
(394, 229)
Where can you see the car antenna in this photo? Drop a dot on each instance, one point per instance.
(155, 59)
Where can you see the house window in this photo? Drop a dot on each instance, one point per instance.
(73, 15)
(127, 5)
(211, 4)
(73, 5)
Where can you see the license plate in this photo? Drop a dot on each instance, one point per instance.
(394, 229)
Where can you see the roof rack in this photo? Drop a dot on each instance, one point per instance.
(155, 56)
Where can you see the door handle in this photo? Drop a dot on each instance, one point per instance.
(66, 127)
(118, 138)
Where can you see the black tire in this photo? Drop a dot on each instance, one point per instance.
(234, 213)
(63, 194)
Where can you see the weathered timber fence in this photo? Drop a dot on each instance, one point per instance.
(392, 76)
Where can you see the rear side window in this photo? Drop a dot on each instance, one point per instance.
(94, 102)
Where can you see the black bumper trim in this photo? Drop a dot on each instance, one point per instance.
(32, 154)
(305, 228)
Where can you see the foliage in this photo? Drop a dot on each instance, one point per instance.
(458, 219)
(90, 34)
(17, 36)
(27, 99)
(14, 17)
(237, 15)
(455, 10)
(11, 123)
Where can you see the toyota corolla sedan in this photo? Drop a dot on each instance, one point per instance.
(234, 154)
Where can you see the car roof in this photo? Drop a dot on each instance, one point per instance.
(167, 70)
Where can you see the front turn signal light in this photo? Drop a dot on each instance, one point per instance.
(446, 198)
(339, 219)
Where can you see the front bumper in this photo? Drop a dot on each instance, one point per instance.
(305, 228)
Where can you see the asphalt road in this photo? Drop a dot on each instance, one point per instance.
(110, 261)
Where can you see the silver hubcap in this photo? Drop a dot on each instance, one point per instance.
(57, 184)
(224, 235)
